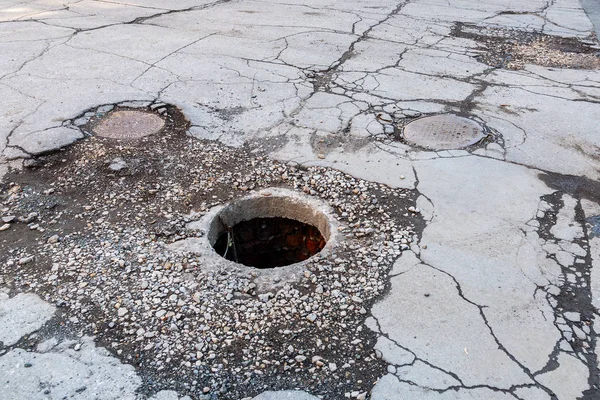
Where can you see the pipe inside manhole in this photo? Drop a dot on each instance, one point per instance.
(269, 231)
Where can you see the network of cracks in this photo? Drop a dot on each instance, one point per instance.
(105, 229)
(101, 230)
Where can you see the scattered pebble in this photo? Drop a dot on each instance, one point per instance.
(107, 249)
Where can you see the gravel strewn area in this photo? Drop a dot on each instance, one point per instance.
(514, 49)
(88, 233)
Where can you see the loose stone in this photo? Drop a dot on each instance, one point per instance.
(300, 358)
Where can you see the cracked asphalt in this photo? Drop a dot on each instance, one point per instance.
(457, 274)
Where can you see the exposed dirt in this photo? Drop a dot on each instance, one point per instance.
(89, 235)
(513, 49)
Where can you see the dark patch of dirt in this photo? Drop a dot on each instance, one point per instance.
(79, 198)
(513, 49)
(576, 296)
(577, 186)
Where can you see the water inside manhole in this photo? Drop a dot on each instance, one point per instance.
(269, 242)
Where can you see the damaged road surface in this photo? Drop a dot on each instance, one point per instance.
(299, 200)
(116, 236)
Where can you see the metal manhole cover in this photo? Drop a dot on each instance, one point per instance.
(128, 124)
(443, 132)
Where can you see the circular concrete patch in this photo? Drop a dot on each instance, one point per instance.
(269, 231)
(128, 124)
(443, 132)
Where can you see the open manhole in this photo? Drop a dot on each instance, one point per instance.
(128, 124)
(269, 231)
(443, 132)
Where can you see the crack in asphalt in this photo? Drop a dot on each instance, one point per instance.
(574, 296)
(328, 81)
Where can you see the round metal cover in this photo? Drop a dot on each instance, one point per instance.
(129, 124)
(443, 132)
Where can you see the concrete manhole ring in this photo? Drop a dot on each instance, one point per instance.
(443, 132)
(270, 228)
(128, 124)
(273, 228)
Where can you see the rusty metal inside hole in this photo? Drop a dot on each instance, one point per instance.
(269, 242)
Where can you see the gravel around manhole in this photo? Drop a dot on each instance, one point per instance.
(90, 235)
(128, 124)
(443, 132)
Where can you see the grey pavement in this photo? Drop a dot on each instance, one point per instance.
(592, 9)
(498, 300)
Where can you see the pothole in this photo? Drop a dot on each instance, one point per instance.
(443, 132)
(512, 49)
(192, 320)
(269, 231)
(128, 124)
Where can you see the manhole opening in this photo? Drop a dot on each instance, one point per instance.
(269, 231)
(269, 242)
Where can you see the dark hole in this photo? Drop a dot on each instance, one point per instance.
(269, 242)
